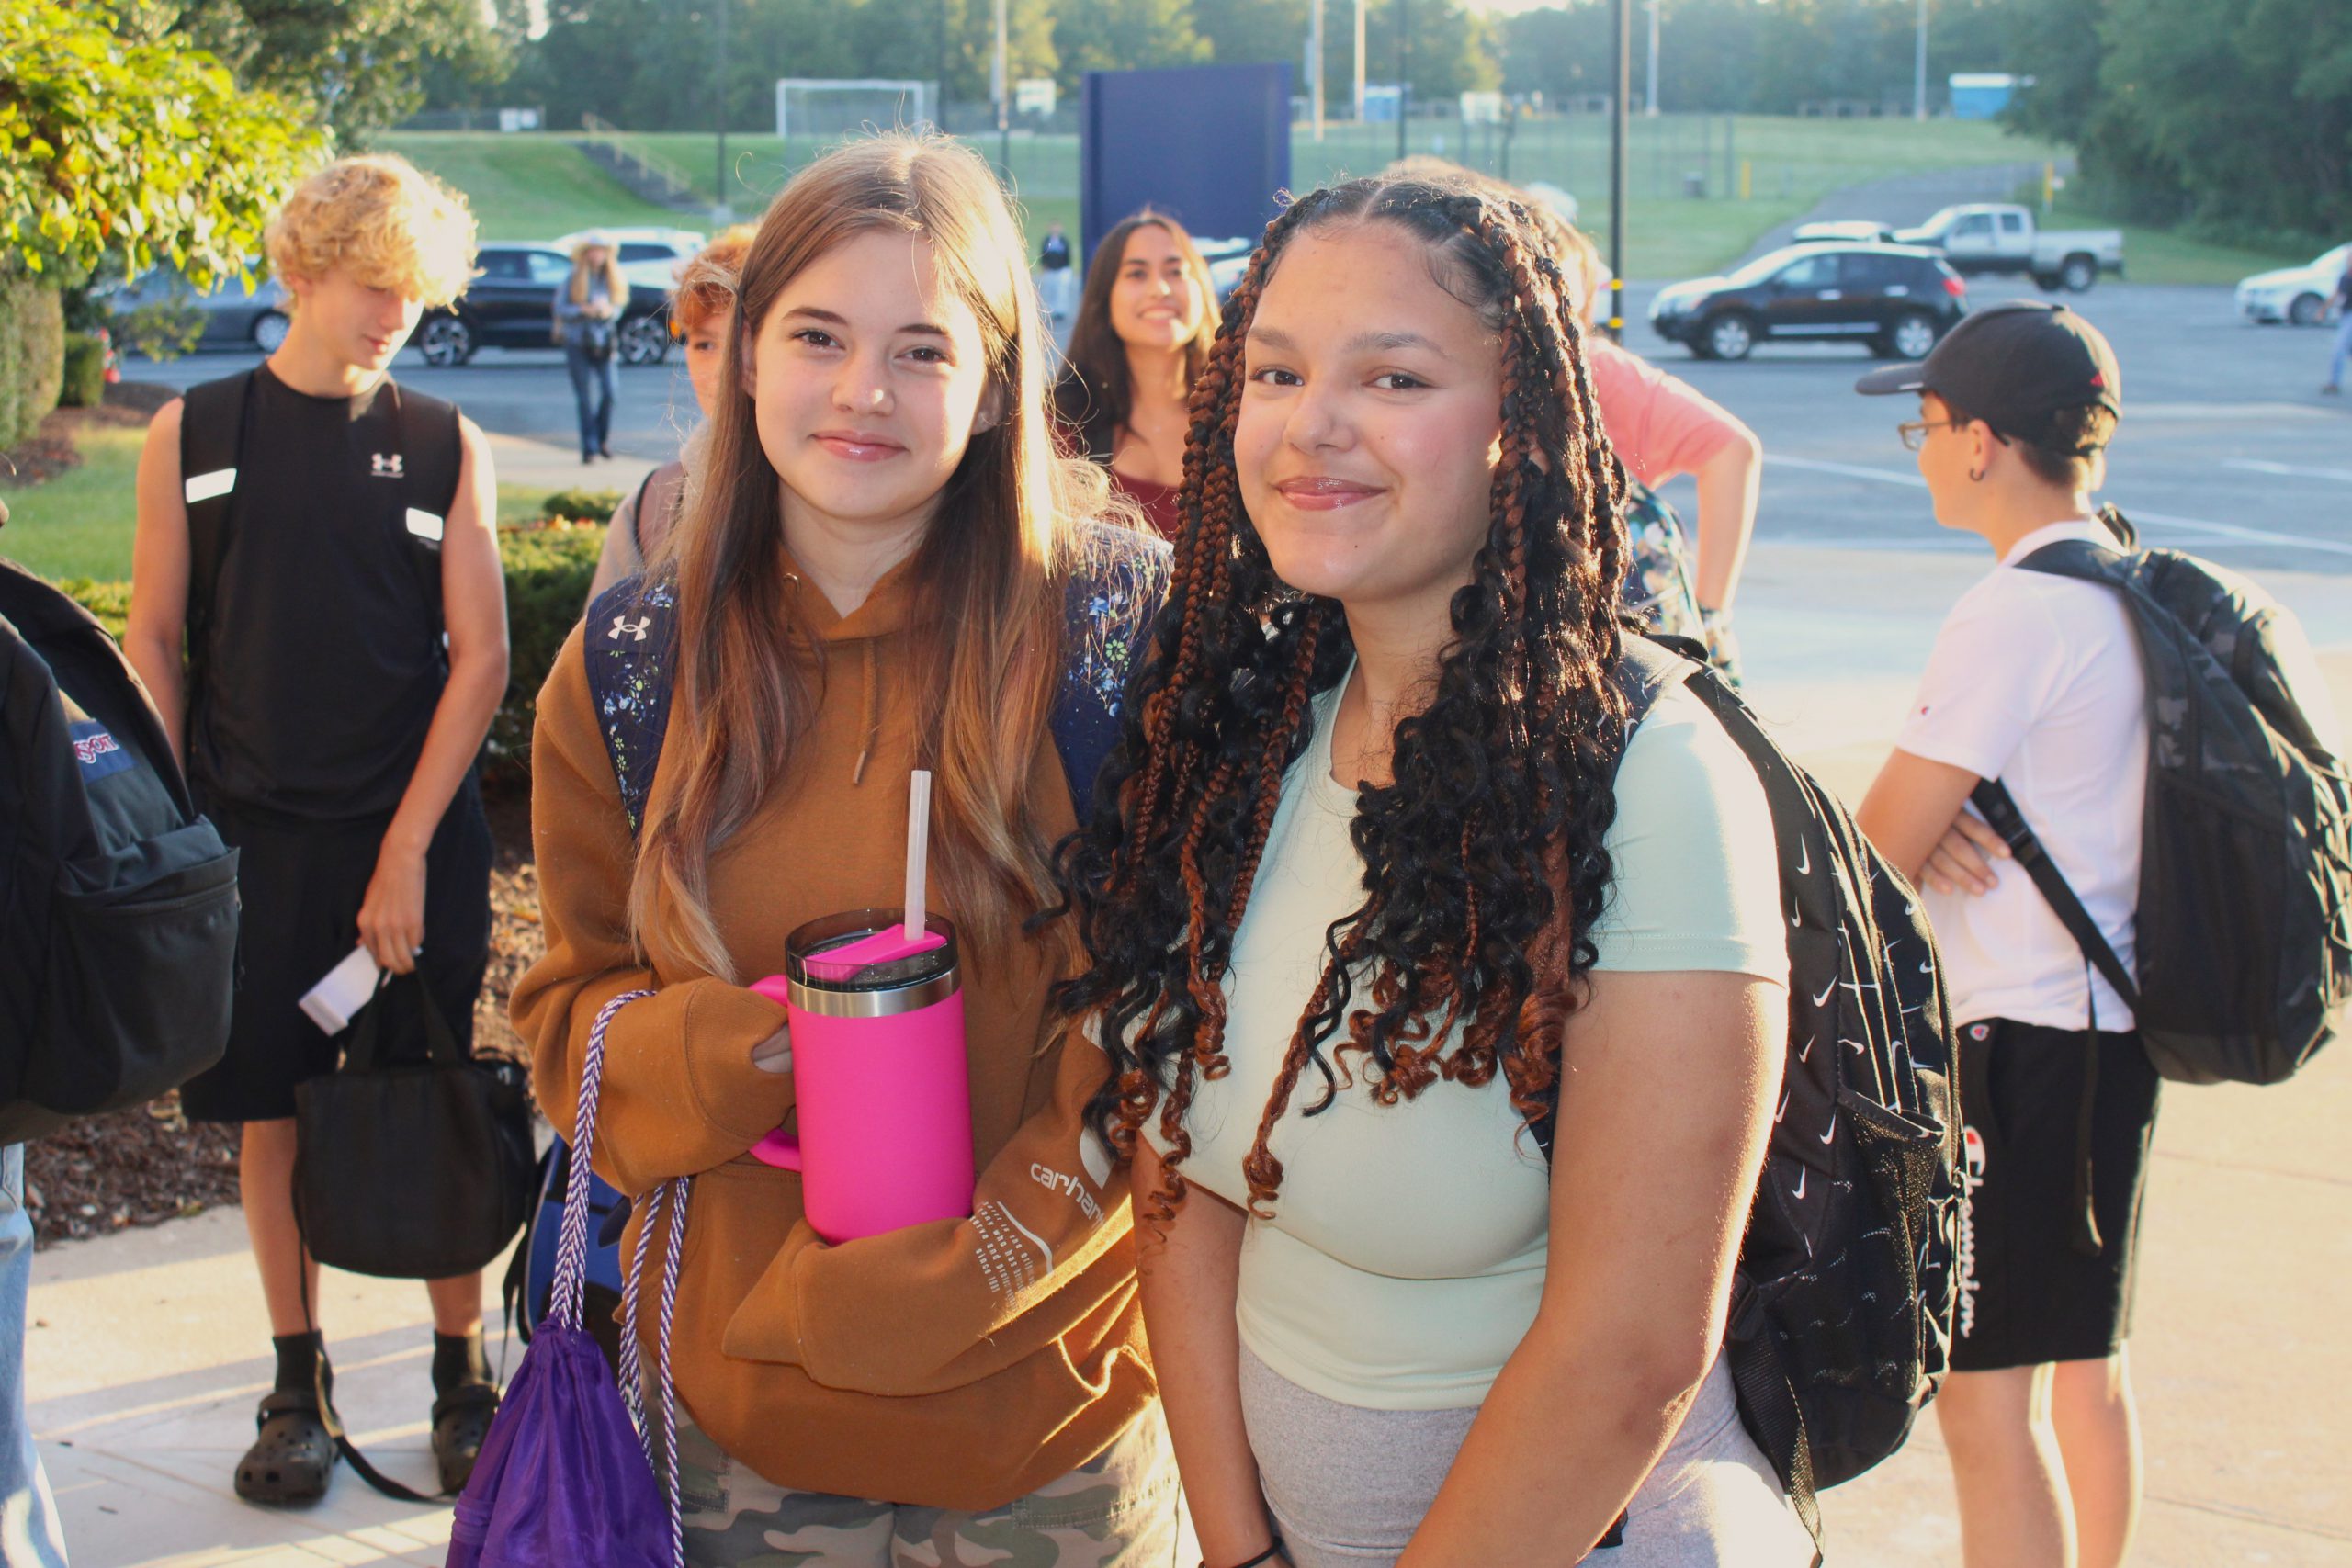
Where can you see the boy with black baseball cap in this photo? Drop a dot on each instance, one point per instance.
(2035, 681)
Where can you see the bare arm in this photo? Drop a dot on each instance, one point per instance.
(1189, 1271)
(157, 628)
(1666, 1101)
(473, 608)
(1912, 808)
(1729, 481)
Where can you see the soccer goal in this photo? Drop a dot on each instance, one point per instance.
(834, 107)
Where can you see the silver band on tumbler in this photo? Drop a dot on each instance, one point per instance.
(826, 1003)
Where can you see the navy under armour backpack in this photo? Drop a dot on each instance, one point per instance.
(1843, 1299)
(117, 902)
(1108, 607)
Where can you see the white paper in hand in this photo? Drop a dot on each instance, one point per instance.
(337, 999)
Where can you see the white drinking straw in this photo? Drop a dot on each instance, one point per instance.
(918, 850)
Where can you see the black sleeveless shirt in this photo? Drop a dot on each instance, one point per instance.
(316, 639)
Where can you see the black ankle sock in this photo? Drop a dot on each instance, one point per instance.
(458, 1359)
(298, 1355)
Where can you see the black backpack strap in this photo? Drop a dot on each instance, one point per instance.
(1108, 608)
(1774, 1417)
(212, 445)
(432, 456)
(630, 633)
(1999, 809)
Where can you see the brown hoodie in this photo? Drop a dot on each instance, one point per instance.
(958, 1364)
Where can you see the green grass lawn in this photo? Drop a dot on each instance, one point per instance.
(522, 187)
(2158, 255)
(79, 524)
(527, 187)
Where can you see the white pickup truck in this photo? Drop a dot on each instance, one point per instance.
(1998, 237)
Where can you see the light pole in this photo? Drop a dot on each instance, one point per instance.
(1919, 68)
(1315, 64)
(1004, 73)
(1617, 130)
(1361, 6)
(723, 211)
(1649, 103)
(1404, 69)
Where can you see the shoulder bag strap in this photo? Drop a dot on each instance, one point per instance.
(213, 452)
(1999, 809)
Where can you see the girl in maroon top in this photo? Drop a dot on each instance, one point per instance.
(1145, 326)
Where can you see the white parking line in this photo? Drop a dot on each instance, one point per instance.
(2229, 531)
(2287, 470)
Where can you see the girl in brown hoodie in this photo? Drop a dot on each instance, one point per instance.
(870, 579)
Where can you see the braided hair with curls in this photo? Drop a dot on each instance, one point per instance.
(1484, 865)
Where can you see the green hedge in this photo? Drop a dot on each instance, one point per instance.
(547, 573)
(32, 356)
(86, 371)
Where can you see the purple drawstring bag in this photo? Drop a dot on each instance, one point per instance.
(565, 1479)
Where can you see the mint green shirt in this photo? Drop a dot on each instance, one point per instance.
(1407, 1251)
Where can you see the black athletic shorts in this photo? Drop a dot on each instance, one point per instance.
(301, 884)
(2030, 1291)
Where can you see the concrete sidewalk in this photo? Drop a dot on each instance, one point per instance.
(142, 1361)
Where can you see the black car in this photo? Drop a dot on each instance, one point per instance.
(511, 304)
(1897, 299)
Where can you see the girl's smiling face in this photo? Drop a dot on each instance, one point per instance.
(868, 381)
(1156, 301)
(1370, 422)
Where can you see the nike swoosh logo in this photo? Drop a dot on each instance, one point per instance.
(1823, 999)
(1796, 919)
(1807, 1051)
(1832, 1128)
(1801, 1174)
(1926, 967)
(1784, 1108)
(1856, 1046)
(1804, 858)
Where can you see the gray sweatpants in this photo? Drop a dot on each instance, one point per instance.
(1349, 1486)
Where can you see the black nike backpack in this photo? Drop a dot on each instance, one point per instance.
(2243, 924)
(1841, 1328)
(119, 910)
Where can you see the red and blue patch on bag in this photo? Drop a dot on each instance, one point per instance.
(98, 751)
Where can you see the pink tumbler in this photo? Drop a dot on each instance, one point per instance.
(878, 1063)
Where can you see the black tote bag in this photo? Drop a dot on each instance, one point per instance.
(411, 1169)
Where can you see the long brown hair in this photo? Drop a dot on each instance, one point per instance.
(1483, 862)
(616, 280)
(985, 632)
(1097, 397)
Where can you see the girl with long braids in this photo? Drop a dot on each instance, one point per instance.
(1370, 903)
(871, 578)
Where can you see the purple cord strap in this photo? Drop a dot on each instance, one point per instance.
(572, 1275)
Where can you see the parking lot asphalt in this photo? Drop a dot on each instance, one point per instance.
(2226, 448)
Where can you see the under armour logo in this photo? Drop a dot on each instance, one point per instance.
(383, 467)
(624, 627)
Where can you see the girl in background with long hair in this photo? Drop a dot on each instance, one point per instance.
(587, 317)
(871, 579)
(1371, 903)
(1145, 324)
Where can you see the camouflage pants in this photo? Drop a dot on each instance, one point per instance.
(1117, 1510)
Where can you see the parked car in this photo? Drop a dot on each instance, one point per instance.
(233, 317)
(1999, 237)
(1860, 230)
(2296, 294)
(1896, 299)
(511, 304)
(1228, 259)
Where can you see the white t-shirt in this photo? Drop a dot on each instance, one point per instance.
(2036, 680)
(1407, 1251)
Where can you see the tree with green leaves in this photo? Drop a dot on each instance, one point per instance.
(1126, 35)
(361, 61)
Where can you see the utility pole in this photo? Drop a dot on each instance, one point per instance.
(938, 106)
(1358, 57)
(723, 211)
(1404, 69)
(1617, 133)
(1649, 103)
(1003, 74)
(1919, 68)
(1315, 64)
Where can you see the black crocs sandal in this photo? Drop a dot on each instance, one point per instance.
(295, 1452)
(460, 1421)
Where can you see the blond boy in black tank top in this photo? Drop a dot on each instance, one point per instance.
(331, 733)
